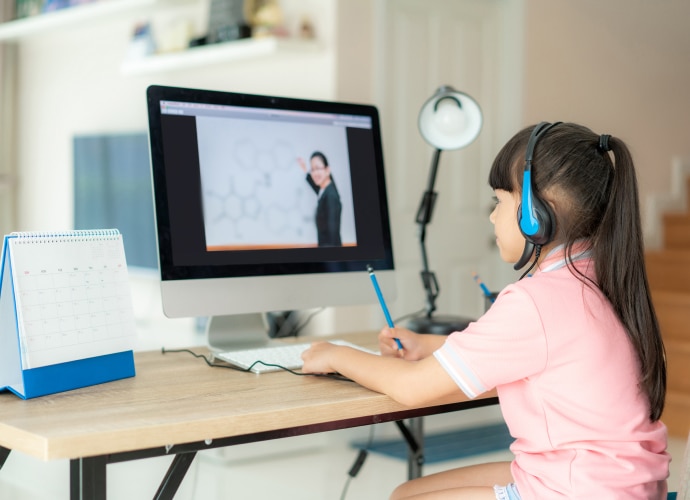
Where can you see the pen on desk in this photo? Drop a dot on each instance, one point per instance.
(481, 284)
(383, 303)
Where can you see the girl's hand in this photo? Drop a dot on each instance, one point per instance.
(302, 164)
(416, 346)
(412, 344)
(317, 358)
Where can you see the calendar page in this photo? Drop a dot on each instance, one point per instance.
(72, 295)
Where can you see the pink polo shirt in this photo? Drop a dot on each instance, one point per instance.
(566, 377)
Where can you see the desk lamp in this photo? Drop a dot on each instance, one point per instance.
(448, 120)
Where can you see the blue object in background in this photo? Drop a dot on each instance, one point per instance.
(51, 5)
(446, 446)
(112, 189)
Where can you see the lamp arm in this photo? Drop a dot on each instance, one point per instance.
(426, 207)
(423, 218)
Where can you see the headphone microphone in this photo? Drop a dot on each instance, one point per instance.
(535, 217)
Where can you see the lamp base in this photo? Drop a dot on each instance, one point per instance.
(438, 325)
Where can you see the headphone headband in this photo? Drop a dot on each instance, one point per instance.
(537, 132)
(535, 218)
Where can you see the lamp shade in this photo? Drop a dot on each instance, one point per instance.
(450, 119)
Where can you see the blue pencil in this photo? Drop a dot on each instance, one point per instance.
(389, 320)
(481, 284)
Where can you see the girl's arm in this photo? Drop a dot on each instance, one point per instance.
(411, 383)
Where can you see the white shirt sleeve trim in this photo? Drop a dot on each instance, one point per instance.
(459, 371)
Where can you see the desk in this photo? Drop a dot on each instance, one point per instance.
(177, 405)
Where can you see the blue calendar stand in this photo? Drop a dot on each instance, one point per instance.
(104, 272)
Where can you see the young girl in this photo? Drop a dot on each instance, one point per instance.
(573, 349)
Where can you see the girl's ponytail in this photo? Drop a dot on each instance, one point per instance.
(618, 253)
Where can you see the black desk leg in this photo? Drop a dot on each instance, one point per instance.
(414, 435)
(173, 478)
(87, 478)
(4, 453)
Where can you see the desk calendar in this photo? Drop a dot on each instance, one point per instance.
(66, 316)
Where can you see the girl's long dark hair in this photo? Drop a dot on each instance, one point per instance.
(595, 200)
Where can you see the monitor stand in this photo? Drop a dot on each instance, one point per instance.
(237, 331)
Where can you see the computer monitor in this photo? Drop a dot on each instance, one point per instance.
(246, 218)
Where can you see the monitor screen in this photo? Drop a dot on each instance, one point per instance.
(266, 203)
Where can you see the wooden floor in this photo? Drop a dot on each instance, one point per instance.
(669, 277)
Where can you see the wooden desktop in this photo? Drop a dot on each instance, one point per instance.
(176, 405)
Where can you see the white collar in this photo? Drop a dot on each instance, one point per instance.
(558, 264)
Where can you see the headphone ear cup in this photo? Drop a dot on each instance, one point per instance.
(544, 215)
(537, 225)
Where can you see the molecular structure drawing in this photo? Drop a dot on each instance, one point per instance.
(257, 195)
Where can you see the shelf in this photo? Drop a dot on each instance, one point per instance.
(226, 52)
(64, 18)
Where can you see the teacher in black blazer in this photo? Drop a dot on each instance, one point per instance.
(328, 207)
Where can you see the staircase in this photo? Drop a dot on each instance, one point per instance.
(668, 271)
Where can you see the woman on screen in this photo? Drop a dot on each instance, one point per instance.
(328, 207)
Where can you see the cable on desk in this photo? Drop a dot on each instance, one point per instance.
(335, 376)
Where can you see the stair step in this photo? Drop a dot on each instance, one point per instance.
(673, 311)
(677, 231)
(668, 270)
(676, 414)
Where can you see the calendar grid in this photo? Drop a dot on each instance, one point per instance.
(72, 294)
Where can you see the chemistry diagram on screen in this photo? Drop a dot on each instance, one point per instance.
(264, 193)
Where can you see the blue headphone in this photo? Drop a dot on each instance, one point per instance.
(535, 217)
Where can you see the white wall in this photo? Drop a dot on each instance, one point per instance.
(619, 66)
(71, 82)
